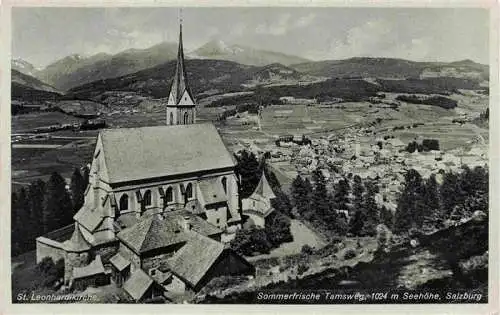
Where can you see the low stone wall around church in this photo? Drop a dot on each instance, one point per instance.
(48, 248)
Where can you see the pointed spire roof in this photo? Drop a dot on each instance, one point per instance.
(263, 188)
(77, 242)
(179, 83)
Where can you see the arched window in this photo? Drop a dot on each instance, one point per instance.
(224, 184)
(147, 198)
(189, 191)
(186, 118)
(169, 195)
(171, 118)
(124, 202)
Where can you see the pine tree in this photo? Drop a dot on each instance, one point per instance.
(357, 191)
(372, 212)
(411, 204)
(22, 219)
(36, 193)
(86, 174)
(77, 190)
(58, 208)
(298, 192)
(341, 195)
(304, 207)
(433, 217)
(358, 213)
(281, 203)
(449, 193)
(386, 217)
(249, 170)
(14, 228)
(278, 229)
(357, 221)
(319, 202)
(431, 193)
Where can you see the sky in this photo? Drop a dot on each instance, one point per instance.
(43, 35)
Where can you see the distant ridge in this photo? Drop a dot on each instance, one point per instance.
(392, 68)
(218, 49)
(76, 70)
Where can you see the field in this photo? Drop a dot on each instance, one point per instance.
(76, 147)
(28, 122)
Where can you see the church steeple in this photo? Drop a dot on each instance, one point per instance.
(181, 105)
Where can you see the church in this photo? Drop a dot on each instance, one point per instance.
(155, 196)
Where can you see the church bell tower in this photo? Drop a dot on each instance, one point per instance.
(181, 108)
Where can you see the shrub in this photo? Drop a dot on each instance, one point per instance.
(49, 271)
(349, 254)
(278, 229)
(307, 250)
(251, 241)
(430, 144)
(302, 268)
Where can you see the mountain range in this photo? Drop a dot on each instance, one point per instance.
(214, 68)
(218, 49)
(76, 70)
(393, 68)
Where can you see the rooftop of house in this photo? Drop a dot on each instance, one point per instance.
(138, 283)
(94, 268)
(152, 152)
(155, 231)
(119, 262)
(194, 259)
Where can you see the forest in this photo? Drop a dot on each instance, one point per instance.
(423, 204)
(43, 207)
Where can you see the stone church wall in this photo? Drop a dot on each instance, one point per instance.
(48, 248)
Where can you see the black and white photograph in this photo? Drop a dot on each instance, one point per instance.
(249, 155)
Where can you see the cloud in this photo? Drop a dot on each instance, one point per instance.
(116, 40)
(212, 31)
(238, 30)
(278, 27)
(380, 38)
(284, 23)
(305, 20)
(362, 40)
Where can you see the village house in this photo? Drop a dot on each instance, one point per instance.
(155, 193)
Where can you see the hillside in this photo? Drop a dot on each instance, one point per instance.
(76, 70)
(28, 89)
(206, 77)
(218, 49)
(393, 68)
(30, 95)
(24, 67)
(31, 82)
(217, 77)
